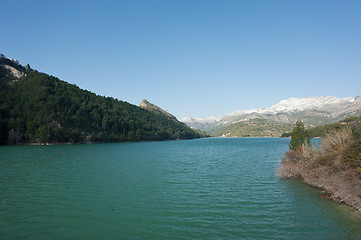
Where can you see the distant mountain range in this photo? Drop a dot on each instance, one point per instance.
(272, 121)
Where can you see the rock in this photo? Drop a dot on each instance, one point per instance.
(27, 67)
(155, 109)
(357, 100)
(16, 73)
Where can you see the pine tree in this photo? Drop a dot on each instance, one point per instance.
(299, 136)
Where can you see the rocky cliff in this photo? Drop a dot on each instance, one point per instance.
(11, 70)
(155, 109)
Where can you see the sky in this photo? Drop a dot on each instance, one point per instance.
(193, 58)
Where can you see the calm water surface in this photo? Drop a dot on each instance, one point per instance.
(216, 188)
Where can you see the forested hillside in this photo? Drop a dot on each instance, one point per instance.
(257, 127)
(323, 130)
(39, 108)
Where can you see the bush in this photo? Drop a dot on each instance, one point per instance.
(333, 146)
(336, 139)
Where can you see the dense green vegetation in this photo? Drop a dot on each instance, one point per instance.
(39, 108)
(322, 130)
(257, 127)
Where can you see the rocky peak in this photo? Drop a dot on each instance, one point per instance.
(155, 109)
(27, 67)
(11, 70)
(144, 104)
(14, 61)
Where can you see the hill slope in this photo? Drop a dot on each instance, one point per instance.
(155, 109)
(38, 108)
(256, 127)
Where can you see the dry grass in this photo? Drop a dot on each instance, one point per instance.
(332, 145)
(324, 167)
(337, 139)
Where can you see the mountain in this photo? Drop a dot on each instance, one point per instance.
(156, 110)
(313, 111)
(204, 124)
(38, 108)
(257, 127)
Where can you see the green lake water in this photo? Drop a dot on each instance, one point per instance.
(216, 188)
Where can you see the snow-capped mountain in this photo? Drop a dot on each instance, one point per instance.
(201, 123)
(312, 111)
(301, 104)
(298, 104)
(210, 119)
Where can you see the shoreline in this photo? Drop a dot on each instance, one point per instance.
(339, 193)
(79, 143)
(338, 182)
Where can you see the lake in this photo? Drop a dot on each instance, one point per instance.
(215, 188)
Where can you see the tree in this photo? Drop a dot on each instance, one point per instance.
(14, 137)
(41, 108)
(43, 134)
(75, 135)
(299, 136)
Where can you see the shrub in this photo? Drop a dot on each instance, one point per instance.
(336, 139)
(299, 136)
(336, 145)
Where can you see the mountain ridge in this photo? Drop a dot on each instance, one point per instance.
(145, 104)
(313, 111)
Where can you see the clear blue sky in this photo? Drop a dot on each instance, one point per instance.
(191, 57)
